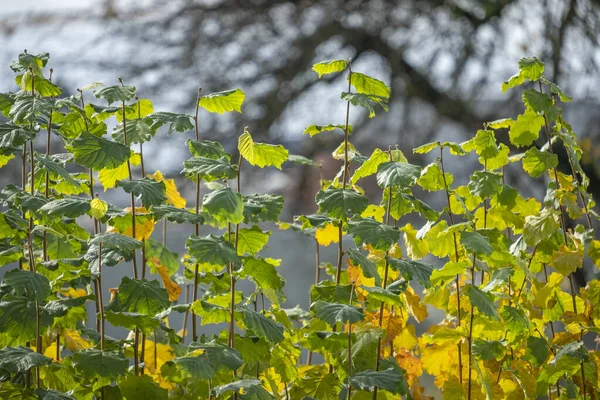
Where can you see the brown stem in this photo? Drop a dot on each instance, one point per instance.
(198, 180)
(451, 216)
(344, 177)
(350, 346)
(470, 338)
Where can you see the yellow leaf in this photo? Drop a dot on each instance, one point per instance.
(144, 225)
(73, 293)
(415, 248)
(407, 339)
(173, 196)
(173, 288)
(566, 260)
(50, 351)
(74, 342)
(109, 177)
(154, 358)
(410, 363)
(415, 307)
(441, 361)
(327, 234)
(377, 212)
(99, 208)
(5, 159)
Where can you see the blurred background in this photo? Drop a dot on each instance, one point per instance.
(444, 60)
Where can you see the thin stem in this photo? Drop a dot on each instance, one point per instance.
(344, 178)
(317, 279)
(198, 181)
(350, 346)
(47, 181)
(470, 339)
(185, 315)
(231, 270)
(451, 216)
(136, 337)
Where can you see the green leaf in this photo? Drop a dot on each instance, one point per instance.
(112, 94)
(400, 174)
(317, 385)
(13, 137)
(265, 276)
(529, 68)
(98, 153)
(489, 349)
(71, 207)
(131, 320)
(413, 269)
(537, 350)
(210, 169)
(262, 208)
(151, 192)
(301, 160)
(250, 387)
(484, 302)
(252, 240)
(498, 278)
(47, 163)
(369, 268)
(313, 130)
(484, 144)
(220, 102)
(261, 154)
(138, 131)
(142, 387)
(211, 250)
(539, 102)
(341, 203)
(383, 295)
(140, 296)
(167, 258)
(34, 286)
(205, 359)
(540, 227)
(476, 243)
(176, 215)
(536, 162)
(366, 230)
(526, 128)
(564, 97)
(332, 313)
(94, 363)
(391, 379)
(485, 184)
(177, 122)
(225, 205)
(432, 180)
(370, 166)
(21, 359)
(113, 240)
(368, 101)
(262, 326)
(30, 109)
(368, 85)
(18, 320)
(329, 67)
(207, 148)
(515, 320)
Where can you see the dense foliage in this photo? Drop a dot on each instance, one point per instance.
(511, 330)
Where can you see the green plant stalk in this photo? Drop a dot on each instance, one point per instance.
(143, 170)
(338, 274)
(46, 188)
(198, 181)
(451, 216)
(97, 284)
(384, 285)
(317, 279)
(136, 337)
(470, 339)
(350, 347)
(32, 267)
(231, 270)
(564, 230)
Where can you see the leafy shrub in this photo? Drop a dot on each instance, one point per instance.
(510, 329)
